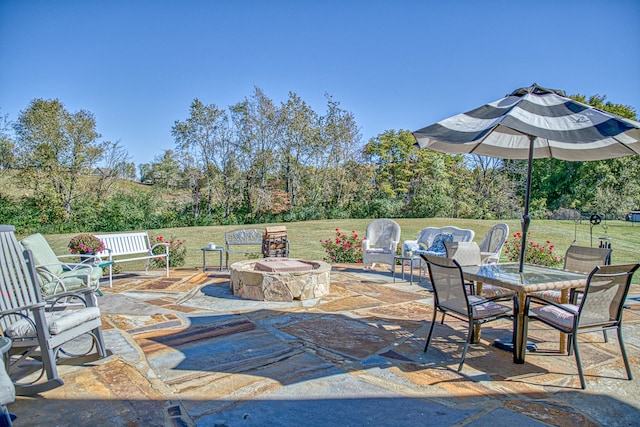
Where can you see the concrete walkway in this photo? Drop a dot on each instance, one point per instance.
(188, 353)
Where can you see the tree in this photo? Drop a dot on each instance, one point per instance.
(341, 143)
(300, 143)
(116, 165)
(204, 143)
(258, 132)
(7, 157)
(604, 186)
(393, 155)
(56, 149)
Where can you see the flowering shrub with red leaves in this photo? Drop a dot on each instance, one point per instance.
(536, 253)
(177, 252)
(343, 248)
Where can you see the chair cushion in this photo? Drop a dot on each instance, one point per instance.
(438, 243)
(42, 253)
(555, 315)
(489, 291)
(487, 309)
(550, 294)
(58, 321)
(378, 251)
(73, 279)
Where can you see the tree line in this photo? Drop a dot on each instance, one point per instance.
(258, 161)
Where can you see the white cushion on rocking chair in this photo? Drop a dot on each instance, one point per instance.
(58, 322)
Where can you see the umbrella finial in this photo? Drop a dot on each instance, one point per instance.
(537, 90)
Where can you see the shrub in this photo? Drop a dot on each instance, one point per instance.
(536, 253)
(343, 248)
(177, 252)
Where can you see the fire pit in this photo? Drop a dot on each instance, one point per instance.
(280, 279)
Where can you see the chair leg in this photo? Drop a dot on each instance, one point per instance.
(102, 349)
(433, 323)
(466, 345)
(574, 339)
(624, 354)
(606, 338)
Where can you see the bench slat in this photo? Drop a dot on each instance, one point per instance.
(122, 244)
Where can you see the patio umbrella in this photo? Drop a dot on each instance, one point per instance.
(531, 123)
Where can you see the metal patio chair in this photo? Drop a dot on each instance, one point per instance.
(450, 297)
(599, 310)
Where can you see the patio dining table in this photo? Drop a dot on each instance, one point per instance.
(533, 278)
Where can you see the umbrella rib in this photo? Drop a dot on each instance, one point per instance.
(481, 140)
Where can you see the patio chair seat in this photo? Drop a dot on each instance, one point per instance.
(483, 309)
(57, 321)
(560, 317)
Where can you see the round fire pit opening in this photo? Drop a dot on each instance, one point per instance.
(279, 279)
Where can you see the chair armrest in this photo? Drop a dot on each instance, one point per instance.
(366, 244)
(23, 308)
(166, 245)
(411, 245)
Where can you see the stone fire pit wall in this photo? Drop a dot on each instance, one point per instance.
(250, 283)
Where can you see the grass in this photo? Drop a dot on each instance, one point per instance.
(305, 236)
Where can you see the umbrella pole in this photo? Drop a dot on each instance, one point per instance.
(525, 220)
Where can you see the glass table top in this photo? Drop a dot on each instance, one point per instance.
(503, 274)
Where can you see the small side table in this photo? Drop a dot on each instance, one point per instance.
(103, 264)
(206, 249)
(406, 260)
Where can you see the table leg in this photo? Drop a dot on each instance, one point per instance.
(476, 331)
(204, 260)
(564, 298)
(520, 331)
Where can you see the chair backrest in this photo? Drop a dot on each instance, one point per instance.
(495, 238)
(427, 234)
(448, 284)
(465, 253)
(604, 295)
(17, 278)
(383, 233)
(42, 253)
(584, 259)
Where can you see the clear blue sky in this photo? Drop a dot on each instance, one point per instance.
(138, 65)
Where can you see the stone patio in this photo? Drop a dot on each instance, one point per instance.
(187, 352)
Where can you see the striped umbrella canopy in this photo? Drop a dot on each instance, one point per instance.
(531, 123)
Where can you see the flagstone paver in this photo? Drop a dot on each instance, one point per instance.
(186, 352)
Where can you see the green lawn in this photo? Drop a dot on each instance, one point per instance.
(305, 236)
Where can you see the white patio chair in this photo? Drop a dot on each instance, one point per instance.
(492, 243)
(380, 244)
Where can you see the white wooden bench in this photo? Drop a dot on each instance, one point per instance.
(132, 246)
